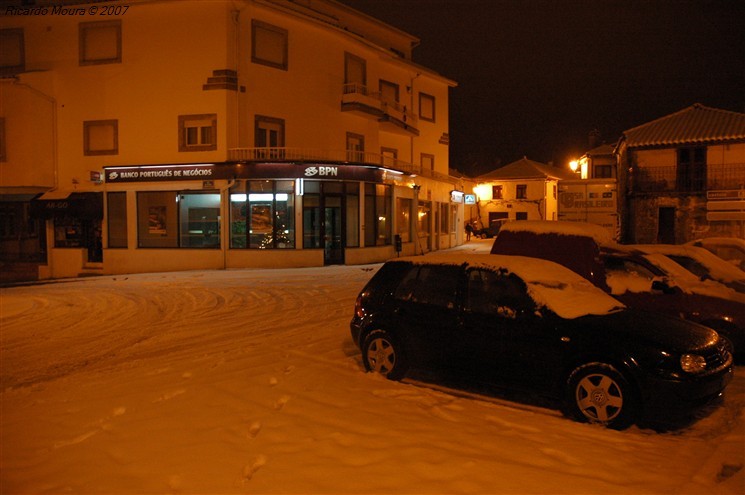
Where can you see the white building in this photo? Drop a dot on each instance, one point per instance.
(522, 190)
(231, 133)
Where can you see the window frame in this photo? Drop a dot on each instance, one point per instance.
(256, 25)
(521, 191)
(428, 156)
(88, 124)
(15, 69)
(431, 98)
(83, 28)
(183, 145)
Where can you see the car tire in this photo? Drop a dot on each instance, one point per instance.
(599, 393)
(383, 353)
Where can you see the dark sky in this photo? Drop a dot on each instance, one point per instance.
(535, 77)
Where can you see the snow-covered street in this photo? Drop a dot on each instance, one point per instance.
(247, 381)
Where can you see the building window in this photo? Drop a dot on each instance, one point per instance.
(426, 107)
(691, 172)
(521, 215)
(355, 74)
(116, 215)
(427, 161)
(389, 93)
(522, 191)
(388, 157)
(268, 45)
(197, 132)
(3, 149)
(378, 215)
(101, 137)
(355, 147)
(603, 171)
(269, 133)
(496, 192)
(12, 52)
(100, 42)
(262, 214)
(444, 217)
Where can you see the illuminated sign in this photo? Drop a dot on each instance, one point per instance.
(456, 196)
(470, 199)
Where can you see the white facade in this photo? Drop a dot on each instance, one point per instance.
(234, 93)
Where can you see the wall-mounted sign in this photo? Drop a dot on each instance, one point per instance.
(456, 196)
(470, 199)
(211, 172)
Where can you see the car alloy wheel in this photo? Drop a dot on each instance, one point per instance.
(598, 393)
(382, 353)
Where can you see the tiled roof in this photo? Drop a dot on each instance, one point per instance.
(696, 124)
(526, 169)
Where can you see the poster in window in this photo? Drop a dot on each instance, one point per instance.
(157, 220)
(261, 219)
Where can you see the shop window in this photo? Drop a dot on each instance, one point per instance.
(116, 214)
(352, 199)
(444, 215)
(426, 107)
(68, 232)
(268, 45)
(427, 161)
(378, 219)
(197, 132)
(453, 218)
(262, 215)
(403, 218)
(522, 191)
(101, 137)
(157, 219)
(199, 215)
(424, 215)
(12, 52)
(100, 42)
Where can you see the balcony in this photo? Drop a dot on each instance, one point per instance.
(311, 155)
(669, 179)
(393, 116)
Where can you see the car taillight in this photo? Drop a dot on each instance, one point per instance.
(358, 311)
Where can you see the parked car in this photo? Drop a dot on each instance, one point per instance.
(728, 248)
(700, 262)
(530, 324)
(491, 230)
(639, 280)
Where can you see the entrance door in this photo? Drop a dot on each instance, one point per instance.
(333, 232)
(666, 226)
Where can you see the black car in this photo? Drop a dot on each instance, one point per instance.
(532, 324)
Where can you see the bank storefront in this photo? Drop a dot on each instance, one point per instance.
(237, 215)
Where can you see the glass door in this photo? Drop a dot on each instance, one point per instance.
(333, 234)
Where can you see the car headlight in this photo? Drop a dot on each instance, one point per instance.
(692, 363)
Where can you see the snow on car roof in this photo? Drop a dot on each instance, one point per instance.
(549, 284)
(719, 268)
(599, 234)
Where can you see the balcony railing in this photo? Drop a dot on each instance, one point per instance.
(357, 97)
(678, 180)
(306, 155)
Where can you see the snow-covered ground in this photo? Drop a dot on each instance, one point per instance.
(247, 381)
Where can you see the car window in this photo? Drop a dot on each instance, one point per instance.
(436, 285)
(625, 275)
(497, 294)
(691, 265)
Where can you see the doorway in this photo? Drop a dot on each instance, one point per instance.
(333, 231)
(666, 225)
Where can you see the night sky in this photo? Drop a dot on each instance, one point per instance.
(535, 77)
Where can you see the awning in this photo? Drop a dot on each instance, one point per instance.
(83, 205)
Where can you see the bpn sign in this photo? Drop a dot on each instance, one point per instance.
(321, 171)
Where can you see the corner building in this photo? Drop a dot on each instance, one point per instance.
(224, 134)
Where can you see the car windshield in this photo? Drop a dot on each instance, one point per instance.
(550, 285)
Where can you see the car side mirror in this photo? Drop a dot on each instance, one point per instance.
(662, 286)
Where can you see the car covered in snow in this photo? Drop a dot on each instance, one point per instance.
(730, 249)
(700, 262)
(643, 280)
(533, 325)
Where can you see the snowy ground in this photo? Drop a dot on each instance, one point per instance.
(247, 381)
